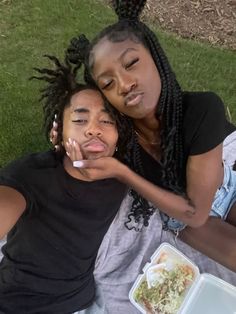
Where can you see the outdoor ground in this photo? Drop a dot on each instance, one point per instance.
(30, 29)
(206, 20)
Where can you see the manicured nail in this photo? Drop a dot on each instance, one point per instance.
(55, 116)
(78, 164)
(70, 140)
(54, 124)
(68, 154)
(74, 143)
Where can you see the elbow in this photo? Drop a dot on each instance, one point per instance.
(196, 220)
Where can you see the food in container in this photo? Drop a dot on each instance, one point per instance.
(165, 282)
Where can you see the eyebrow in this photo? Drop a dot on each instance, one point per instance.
(81, 110)
(125, 52)
(85, 110)
(119, 58)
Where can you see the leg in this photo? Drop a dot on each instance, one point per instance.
(216, 239)
(231, 218)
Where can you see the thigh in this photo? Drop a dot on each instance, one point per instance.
(216, 239)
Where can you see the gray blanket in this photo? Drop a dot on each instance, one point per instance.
(124, 253)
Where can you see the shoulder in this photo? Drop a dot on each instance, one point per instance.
(28, 172)
(24, 167)
(34, 160)
(202, 112)
(201, 103)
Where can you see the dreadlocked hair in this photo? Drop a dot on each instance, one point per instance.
(124, 127)
(168, 110)
(61, 85)
(77, 51)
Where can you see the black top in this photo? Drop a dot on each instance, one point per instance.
(204, 127)
(50, 253)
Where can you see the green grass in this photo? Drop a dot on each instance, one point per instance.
(29, 29)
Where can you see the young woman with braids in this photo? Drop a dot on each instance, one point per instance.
(54, 216)
(176, 136)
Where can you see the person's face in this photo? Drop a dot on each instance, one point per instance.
(127, 75)
(86, 121)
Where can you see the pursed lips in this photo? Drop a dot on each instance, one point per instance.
(133, 99)
(94, 145)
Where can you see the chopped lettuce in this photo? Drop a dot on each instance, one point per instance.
(167, 296)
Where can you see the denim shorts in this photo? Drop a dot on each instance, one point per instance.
(224, 199)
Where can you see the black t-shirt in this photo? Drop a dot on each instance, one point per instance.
(50, 253)
(204, 127)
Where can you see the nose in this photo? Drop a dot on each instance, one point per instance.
(126, 83)
(93, 129)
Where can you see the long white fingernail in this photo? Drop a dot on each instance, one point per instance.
(78, 164)
(54, 124)
(70, 140)
(68, 154)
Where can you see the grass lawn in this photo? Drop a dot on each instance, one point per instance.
(30, 29)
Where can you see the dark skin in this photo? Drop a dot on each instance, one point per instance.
(130, 81)
(214, 239)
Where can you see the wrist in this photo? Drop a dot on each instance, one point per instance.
(123, 172)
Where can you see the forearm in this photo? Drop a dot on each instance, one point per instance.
(170, 203)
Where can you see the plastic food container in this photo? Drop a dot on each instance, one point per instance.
(172, 284)
(210, 295)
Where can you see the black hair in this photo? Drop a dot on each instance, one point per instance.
(62, 84)
(169, 108)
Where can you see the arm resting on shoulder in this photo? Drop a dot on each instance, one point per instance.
(204, 175)
(12, 205)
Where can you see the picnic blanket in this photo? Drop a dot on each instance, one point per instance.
(124, 253)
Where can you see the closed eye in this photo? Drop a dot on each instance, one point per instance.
(106, 85)
(129, 64)
(80, 121)
(108, 122)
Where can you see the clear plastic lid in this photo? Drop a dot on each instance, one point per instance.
(210, 295)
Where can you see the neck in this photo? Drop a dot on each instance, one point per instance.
(148, 129)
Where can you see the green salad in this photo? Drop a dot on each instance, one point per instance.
(167, 294)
